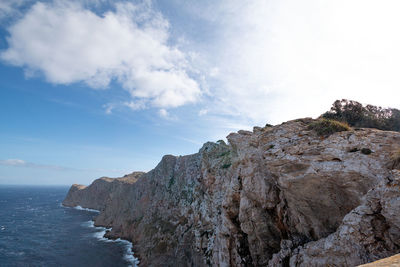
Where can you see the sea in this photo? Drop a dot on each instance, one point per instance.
(36, 230)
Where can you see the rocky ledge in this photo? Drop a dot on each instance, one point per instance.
(276, 196)
(392, 261)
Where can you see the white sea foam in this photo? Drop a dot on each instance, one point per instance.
(100, 234)
(79, 208)
(128, 256)
(88, 224)
(91, 210)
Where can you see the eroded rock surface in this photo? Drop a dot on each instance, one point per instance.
(277, 196)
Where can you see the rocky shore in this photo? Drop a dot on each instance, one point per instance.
(276, 196)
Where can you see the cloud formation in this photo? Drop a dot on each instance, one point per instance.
(255, 62)
(68, 43)
(8, 7)
(25, 164)
(19, 163)
(278, 60)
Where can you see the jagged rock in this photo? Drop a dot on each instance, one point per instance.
(276, 196)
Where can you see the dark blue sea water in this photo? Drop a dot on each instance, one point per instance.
(35, 230)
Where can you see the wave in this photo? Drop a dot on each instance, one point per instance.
(91, 210)
(128, 255)
(79, 208)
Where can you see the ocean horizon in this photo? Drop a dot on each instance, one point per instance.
(36, 230)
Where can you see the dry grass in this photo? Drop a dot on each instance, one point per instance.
(326, 127)
(395, 163)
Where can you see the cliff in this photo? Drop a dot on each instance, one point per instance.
(276, 196)
(98, 194)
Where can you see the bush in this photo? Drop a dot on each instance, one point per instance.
(221, 142)
(226, 165)
(326, 127)
(369, 116)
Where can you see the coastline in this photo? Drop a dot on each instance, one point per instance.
(100, 235)
(211, 207)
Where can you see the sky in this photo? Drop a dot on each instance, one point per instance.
(95, 88)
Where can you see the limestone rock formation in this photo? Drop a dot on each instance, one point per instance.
(276, 196)
(98, 193)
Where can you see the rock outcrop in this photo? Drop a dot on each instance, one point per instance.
(276, 196)
(98, 194)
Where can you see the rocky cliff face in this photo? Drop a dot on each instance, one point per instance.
(98, 194)
(277, 196)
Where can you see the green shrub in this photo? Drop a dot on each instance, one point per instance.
(221, 142)
(223, 154)
(326, 127)
(226, 166)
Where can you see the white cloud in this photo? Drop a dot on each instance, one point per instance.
(260, 61)
(279, 60)
(25, 164)
(163, 113)
(8, 7)
(203, 112)
(135, 105)
(68, 43)
(12, 162)
(109, 108)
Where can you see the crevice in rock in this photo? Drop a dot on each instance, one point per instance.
(286, 262)
(354, 149)
(380, 228)
(243, 248)
(281, 214)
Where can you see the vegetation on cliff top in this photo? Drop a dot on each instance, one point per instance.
(325, 127)
(369, 116)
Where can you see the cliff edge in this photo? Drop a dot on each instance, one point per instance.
(276, 196)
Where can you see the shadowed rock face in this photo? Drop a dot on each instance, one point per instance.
(277, 196)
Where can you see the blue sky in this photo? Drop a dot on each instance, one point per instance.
(102, 88)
